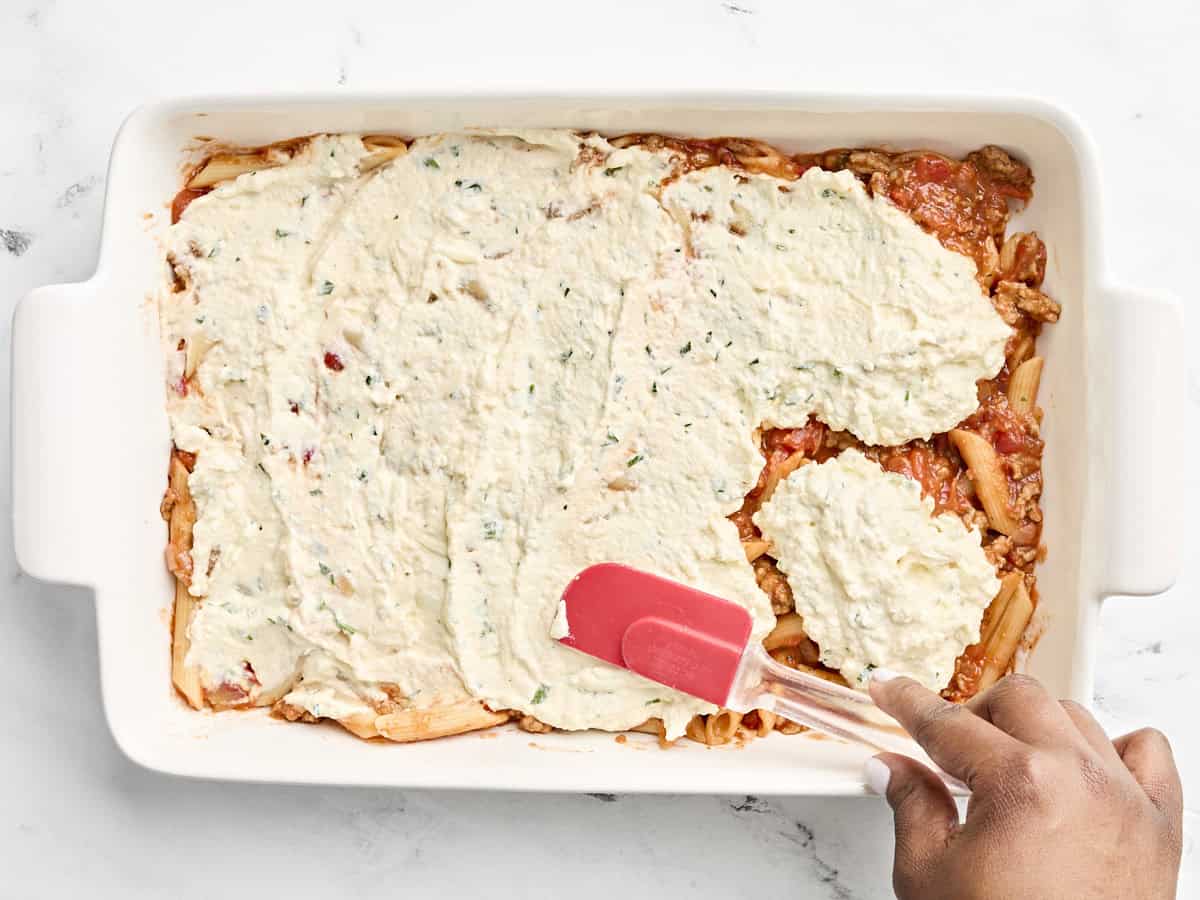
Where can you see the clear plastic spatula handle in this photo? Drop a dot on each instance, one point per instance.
(762, 683)
(700, 644)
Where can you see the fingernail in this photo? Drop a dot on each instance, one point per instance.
(883, 675)
(877, 775)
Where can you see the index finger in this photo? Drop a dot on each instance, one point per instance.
(954, 737)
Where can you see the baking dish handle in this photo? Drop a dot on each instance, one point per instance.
(1140, 491)
(51, 391)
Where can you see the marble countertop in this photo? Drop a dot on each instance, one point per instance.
(74, 811)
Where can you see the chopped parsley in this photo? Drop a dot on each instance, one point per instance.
(325, 570)
(754, 362)
(634, 460)
(685, 349)
(566, 354)
(431, 163)
(613, 171)
(491, 530)
(540, 694)
(610, 438)
(280, 233)
(325, 289)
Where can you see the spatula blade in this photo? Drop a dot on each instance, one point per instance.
(668, 632)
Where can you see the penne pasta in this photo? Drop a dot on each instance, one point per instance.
(1020, 349)
(362, 726)
(180, 511)
(186, 678)
(1004, 634)
(533, 725)
(383, 149)
(195, 351)
(766, 724)
(777, 473)
(228, 166)
(755, 548)
(788, 631)
(656, 728)
(1023, 385)
(1008, 584)
(437, 721)
(695, 730)
(990, 483)
(721, 727)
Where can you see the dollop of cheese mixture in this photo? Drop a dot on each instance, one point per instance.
(879, 580)
(425, 397)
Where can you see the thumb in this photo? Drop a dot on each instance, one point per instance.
(925, 814)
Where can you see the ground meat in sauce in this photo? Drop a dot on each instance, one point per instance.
(1028, 300)
(1023, 258)
(773, 583)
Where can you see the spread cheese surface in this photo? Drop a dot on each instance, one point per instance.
(878, 579)
(423, 398)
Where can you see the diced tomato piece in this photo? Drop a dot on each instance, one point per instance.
(933, 168)
(1006, 442)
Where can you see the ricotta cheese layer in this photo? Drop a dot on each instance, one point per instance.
(425, 397)
(880, 581)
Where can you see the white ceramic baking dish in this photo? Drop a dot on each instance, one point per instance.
(91, 440)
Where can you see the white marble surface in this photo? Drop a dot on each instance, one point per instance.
(74, 812)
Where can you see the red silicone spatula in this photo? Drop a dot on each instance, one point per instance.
(700, 644)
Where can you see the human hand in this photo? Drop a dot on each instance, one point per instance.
(1056, 809)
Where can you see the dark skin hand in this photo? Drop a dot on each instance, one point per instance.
(1057, 810)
